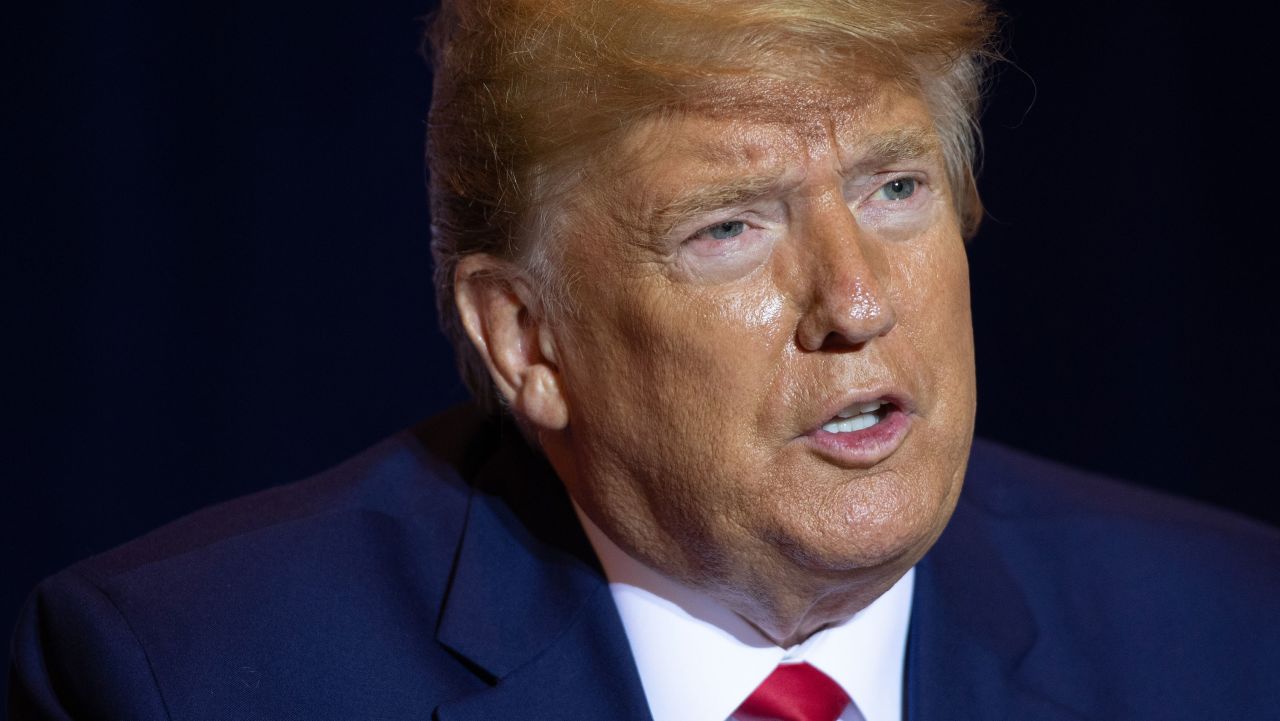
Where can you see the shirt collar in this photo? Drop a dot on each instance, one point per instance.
(698, 661)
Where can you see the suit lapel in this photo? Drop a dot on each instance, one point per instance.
(529, 608)
(584, 674)
(970, 630)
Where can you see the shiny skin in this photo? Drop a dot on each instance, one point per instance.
(704, 350)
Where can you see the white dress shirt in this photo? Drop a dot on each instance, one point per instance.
(699, 661)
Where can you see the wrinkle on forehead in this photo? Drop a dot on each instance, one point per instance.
(769, 99)
(807, 111)
(680, 163)
(753, 119)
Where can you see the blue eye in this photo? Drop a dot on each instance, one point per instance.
(899, 189)
(726, 230)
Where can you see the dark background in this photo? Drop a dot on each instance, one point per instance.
(216, 265)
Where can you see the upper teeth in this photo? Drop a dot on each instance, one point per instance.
(857, 410)
(854, 418)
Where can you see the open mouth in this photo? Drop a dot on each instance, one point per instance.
(859, 417)
(865, 432)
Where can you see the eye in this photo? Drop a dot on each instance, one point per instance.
(898, 189)
(724, 231)
(729, 249)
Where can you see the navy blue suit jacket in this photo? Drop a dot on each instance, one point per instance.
(443, 575)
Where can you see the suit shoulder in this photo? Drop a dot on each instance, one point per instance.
(347, 570)
(1116, 600)
(1102, 550)
(418, 475)
(1015, 485)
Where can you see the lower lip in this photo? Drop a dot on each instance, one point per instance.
(866, 447)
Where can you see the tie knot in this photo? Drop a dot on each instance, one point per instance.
(794, 692)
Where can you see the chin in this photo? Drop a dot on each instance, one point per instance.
(870, 531)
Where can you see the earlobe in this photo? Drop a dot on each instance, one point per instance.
(508, 328)
(540, 398)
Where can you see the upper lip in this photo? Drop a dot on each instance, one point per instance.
(886, 394)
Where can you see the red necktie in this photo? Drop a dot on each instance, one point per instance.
(794, 692)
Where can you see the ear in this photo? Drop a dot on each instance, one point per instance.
(506, 324)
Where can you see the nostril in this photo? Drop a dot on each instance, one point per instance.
(840, 341)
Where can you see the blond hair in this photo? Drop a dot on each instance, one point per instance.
(525, 89)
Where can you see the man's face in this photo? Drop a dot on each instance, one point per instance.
(770, 372)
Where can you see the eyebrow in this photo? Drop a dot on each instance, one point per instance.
(715, 196)
(897, 145)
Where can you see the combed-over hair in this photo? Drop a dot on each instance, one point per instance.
(526, 89)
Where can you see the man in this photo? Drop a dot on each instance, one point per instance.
(704, 265)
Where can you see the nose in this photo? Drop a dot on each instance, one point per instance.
(848, 304)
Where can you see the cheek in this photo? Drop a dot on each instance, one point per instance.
(680, 354)
(757, 312)
(664, 420)
(716, 347)
(936, 320)
(932, 293)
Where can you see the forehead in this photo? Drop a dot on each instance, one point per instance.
(889, 127)
(771, 140)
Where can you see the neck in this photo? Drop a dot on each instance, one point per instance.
(795, 611)
(783, 620)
